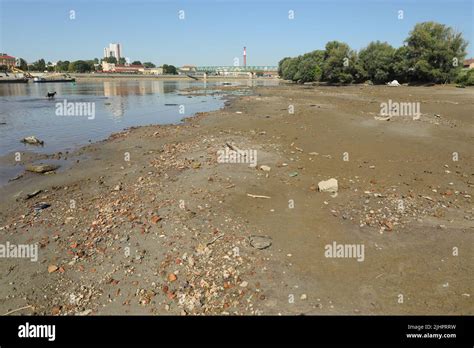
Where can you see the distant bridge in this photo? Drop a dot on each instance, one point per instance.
(236, 69)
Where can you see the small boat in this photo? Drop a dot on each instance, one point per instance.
(13, 80)
(48, 80)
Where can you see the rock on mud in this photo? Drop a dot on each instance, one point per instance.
(32, 140)
(328, 185)
(393, 83)
(41, 168)
(260, 242)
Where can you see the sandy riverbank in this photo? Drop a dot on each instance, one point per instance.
(148, 222)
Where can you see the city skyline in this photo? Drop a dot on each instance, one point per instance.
(170, 33)
(114, 50)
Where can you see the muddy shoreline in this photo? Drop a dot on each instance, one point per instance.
(149, 222)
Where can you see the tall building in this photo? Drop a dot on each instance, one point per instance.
(113, 51)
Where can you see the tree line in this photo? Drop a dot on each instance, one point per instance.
(432, 53)
(84, 66)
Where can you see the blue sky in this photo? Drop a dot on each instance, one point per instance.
(213, 31)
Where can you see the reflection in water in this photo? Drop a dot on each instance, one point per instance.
(25, 111)
(119, 91)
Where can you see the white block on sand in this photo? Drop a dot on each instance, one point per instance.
(328, 185)
(394, 83)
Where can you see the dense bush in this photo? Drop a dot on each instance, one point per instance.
(466, 77)
(377, 61)
(432, 52)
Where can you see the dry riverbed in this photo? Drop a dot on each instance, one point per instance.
(149, 222)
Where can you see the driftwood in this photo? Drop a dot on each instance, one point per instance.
(257, 196)
(233, 147)
(18, 309)
(215, 239)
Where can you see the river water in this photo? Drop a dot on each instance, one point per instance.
(99, 109)
(116, 105)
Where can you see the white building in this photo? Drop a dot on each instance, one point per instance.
(114, 50)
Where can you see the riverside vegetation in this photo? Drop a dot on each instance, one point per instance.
(432, 53)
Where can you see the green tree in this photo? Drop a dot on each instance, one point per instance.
(122, 61)
(169, 69)
(466, 77)
(80, 66)
(290, 68)
(23, 64)
(377, 60)
(310, 67)
(339, 63)
(62, 66)
(111, 60)
(400, 66)
(280, 65)
(435, 52)
(149, 65)
(39, 65)
(136, 62)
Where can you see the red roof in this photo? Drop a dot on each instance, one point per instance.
(6, 57)
(469, 61)
(129, 66)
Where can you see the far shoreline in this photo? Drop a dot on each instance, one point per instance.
(85, 77)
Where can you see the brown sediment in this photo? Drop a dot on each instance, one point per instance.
(149, 222)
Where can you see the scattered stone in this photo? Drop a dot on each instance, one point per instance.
(33, 194)
(41, 168)
(265, 168)
(84, 313)
(52, 268)
(293, 174)
(40, 206)
(32, 140)
(172, 277)
(15, 178)
(328, 185)
(393, 83)
(388, 225)
(155, 219)
(260, 242)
